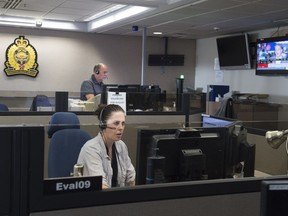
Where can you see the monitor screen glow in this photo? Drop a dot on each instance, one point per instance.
(210, 121)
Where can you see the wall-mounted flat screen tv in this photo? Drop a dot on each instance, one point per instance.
(233, 52)
(272, 56)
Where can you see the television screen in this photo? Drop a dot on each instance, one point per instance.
(272, 56)
(233, 52)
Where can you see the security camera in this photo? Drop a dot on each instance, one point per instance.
(38, 23)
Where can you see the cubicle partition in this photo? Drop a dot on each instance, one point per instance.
(24, 180)
(239, 195)
(17, 144)
(25, 190)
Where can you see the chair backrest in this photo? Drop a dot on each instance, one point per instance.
(63, 120)
(40, 101)
(64, 149)
(3, 108)
(66, 142)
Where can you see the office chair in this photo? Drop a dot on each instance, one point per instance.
(3, 108)
(63, 120)
(66, 142)
(40, 101)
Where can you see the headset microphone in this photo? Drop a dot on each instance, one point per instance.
(102, 124)
(112, 128)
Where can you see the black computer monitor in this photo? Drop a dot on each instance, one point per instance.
(239, 150)
(192, 154)
(152, 97)
(138, 97)
(216, 151)
(274, 198)
(132, 94)
(104, 91)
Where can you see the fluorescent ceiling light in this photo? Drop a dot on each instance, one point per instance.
(105, 12)
(122, 14)
(157, 33)
(9, 19)
(73, 26)
(17, 24)
(49, 24)
(16, 21)
(198, 2)
(173, 1)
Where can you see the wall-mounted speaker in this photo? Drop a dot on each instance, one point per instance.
(166, 60)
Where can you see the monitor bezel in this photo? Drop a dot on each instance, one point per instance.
(245, 44)
(266, 199)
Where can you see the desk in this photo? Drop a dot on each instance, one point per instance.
(257, 114)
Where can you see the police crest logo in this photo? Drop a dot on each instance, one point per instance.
(21, 58)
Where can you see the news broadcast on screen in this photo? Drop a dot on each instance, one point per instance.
(272, 55)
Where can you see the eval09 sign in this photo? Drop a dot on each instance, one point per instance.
(72, 184)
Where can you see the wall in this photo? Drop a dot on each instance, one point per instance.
(239, 80)
(67, 58)
(268, 160)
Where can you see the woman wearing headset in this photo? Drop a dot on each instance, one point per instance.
(106, 154)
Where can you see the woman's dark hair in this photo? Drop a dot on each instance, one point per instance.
(104, 111)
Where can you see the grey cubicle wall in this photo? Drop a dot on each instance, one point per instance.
(16, 145)
(247, 204)
(224, 196)
(274, 165)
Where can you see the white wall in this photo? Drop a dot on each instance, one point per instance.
(244, 81)
(67, 58)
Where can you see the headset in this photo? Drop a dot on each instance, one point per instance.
(97, 69)
(102, 124)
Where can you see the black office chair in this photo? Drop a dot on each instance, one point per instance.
(66, 142)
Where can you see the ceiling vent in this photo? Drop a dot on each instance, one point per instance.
(12, 4)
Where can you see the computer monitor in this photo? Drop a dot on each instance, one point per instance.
(205, 147)
(104, 91)
(240, 149)
(216, 121)
(152, 97)
(217, 152)
(144, 140)
(274, 198)
(138, 97)
(132, 94)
